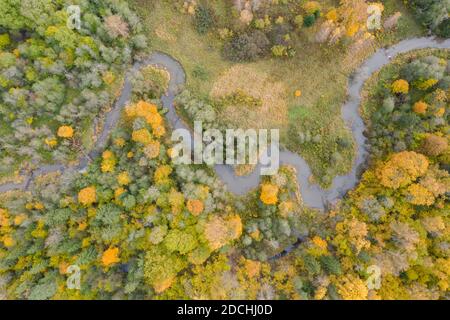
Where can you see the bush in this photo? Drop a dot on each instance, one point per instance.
(279, 51)
(4, 40)
(277, 35)
(331, 265)
(443, 30)
(150, 83)
(298, 20)
(309, 20)
(247, 46)
(200, 73)
(434, 145)
(388, 104)
(204, 19)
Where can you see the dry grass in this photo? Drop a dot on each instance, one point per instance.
(257, 85)
(14, 177)
(11, 196)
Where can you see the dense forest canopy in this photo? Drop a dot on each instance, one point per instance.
(53, 76)
(434, 14)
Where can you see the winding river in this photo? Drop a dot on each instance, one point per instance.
(313, 195)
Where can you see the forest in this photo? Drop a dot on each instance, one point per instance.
(135, 225)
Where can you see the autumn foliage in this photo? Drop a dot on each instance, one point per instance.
(220, 231)
(65, 132)
(434, 145)
(269, 194)
(402, 169)
(195, 206)
(108, 161)
(87, 196)
(110, 257)
(420, 107)
(400, 86)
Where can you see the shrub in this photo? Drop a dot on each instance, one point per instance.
(204, 19)
(4, 40)
(298, 20)
(434, 145)
(279, 34)
(279, 51)
(309, 20)
(311, 7)
(247, 46)
(443, 30)
(388, 105)
(200, 73)
(331, 265)
(150, 83)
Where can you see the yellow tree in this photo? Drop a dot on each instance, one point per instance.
(353, 16)
(108, 161)
(269, 194)
(110, 257)
(402, 169)
(419, 195)
(400, 86)
(65, 132)
(219, 231)
(420, 107)
(195, 206)
(351, 287)
(87, 196)
(123, 178)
